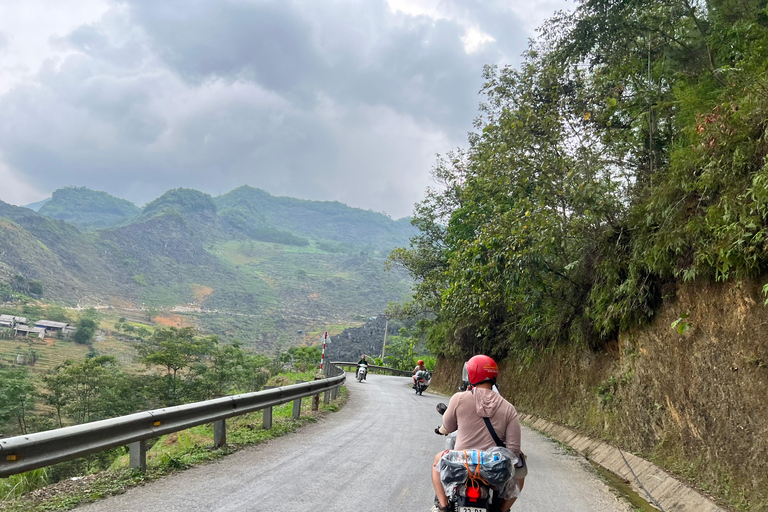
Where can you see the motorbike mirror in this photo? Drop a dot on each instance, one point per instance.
(441, 408)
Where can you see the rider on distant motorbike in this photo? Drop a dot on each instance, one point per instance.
(419, 367)
(465, 413)
(362, 361)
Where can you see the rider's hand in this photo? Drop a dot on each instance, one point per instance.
(437, 431)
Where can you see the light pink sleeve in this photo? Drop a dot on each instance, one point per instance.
(450, 420)
(512, 434)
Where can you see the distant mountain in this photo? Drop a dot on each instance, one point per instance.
(182, 201)
(246, 207)
(67, 261)
(36, 206)
(88, 209)
(254, 266)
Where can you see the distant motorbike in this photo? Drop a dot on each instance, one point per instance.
(362, 372)
(468, 475)
(423, 378)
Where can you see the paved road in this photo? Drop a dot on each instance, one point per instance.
(373, 455)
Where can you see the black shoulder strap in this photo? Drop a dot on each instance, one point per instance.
(495, 437)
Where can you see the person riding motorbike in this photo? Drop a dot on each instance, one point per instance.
(466, 412)
(362, 361)
(419, 367)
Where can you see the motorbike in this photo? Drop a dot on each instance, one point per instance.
(362, 372)
(467, 475)
(423, 378)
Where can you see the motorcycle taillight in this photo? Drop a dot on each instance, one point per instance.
(473, 493)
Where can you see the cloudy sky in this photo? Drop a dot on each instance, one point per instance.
(345, 100)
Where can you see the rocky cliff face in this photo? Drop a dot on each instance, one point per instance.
(356, 341)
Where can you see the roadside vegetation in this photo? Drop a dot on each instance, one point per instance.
(48, 488)
(168, 366)
(623, 161)
(626, 154)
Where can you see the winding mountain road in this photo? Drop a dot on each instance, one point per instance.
(373, 455)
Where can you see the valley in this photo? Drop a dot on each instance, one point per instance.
(245, 266)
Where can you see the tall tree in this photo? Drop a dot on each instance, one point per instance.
(176, 351)
(17, 398)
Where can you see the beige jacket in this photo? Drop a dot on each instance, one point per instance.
(466, 411)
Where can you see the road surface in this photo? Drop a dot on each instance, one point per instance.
(373, 455)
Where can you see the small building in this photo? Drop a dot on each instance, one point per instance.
(26, 331)
(51, 326)
(8, 321)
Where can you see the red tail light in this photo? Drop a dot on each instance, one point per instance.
(473, 493)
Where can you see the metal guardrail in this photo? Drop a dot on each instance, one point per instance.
(393, 371)
(23, 453)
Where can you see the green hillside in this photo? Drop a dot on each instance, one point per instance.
(246, 207)
(88, 209)
(182, 201)
(248, 265)
(68, 262)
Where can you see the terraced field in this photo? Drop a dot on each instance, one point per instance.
(53, 352)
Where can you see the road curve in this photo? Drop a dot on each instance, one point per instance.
(373, 455)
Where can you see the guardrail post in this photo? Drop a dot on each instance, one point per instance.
(326, 397)
(316, 399)
(137, 455)
(219, 433)
(297, 405)
(267, 413)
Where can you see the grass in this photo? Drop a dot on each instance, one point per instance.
(18, 485)
(50, 353)
(623, 489)
(125, 353)
(169, 454)
(53, 352)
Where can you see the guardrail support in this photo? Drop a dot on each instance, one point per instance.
(326, 397)
(267, 413)
(297, 408)
(137, 455)
(219, 433)
(316, 399)
(297, 405)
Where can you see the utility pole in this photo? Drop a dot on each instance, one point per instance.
(386, 330)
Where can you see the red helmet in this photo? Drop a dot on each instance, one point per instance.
(480, 369)
(420, 362)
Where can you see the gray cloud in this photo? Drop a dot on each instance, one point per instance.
(357, 51)
(326, 100)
